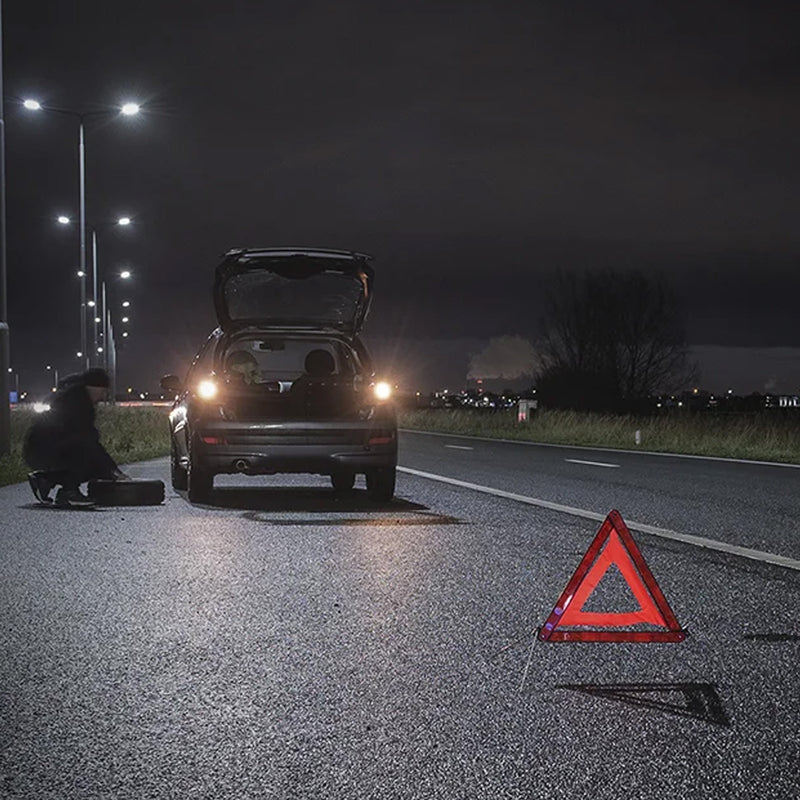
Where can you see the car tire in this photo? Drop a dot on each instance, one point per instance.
(126, 492)
(200, 481)
(381, 483)
(343, 480)
(178, 474)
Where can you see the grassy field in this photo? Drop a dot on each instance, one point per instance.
(136, 434)
(773, 436)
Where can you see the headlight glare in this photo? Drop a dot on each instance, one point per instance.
(207, 389)
(382, 390)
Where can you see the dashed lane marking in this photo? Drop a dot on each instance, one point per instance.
(590, 463)
(664, 533)
(458, 447)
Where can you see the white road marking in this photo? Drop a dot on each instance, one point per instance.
(458, 447)
(607, 449)
(590, 463)
(664, 533)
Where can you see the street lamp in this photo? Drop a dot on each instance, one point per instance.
(128, 109)
(121, 222)
(49, 368)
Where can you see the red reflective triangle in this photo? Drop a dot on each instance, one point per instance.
(613, 545)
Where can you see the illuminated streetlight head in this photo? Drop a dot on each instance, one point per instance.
(124, 221)
(32, 105)
(79, 354)
(125, 319)
(90, 304)
(129, 109)
(126, 273)
(124, 334)
(62, 220)
(126, 303)
(97, 319)
(81, 273)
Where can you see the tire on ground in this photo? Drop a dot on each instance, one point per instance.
(126, 493)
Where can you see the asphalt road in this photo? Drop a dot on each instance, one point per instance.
(286, 643)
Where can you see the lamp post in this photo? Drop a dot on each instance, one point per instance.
(109, 341)
(122, 222)
(128, 109)
(5, 350)
(49, 368)
(95, 303)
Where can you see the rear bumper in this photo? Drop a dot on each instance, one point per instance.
(320, 447)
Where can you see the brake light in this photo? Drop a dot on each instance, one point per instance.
(381, 438)
(213, 440)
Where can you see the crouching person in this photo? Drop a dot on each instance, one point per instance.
(63, 447)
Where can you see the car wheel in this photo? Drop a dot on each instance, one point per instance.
(380, 484)
(343, 480)
(176, 471)
(200, 480)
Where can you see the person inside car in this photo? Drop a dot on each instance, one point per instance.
(63, 447)
(242, 366)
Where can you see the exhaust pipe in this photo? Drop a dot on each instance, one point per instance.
(240, 465)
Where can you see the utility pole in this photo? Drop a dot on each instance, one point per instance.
(5, 348)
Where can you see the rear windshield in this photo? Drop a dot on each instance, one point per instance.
(269, 359)
(327, 299)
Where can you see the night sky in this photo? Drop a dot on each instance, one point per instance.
(471, 147)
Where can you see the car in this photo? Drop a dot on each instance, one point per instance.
(285, 383)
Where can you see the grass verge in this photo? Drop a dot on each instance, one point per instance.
(136, 434)
(769, 436)
(129, 434)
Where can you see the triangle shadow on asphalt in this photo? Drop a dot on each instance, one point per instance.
(694, 700)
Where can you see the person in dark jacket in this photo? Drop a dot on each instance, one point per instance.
(63, 447)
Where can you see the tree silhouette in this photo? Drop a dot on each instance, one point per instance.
(612, 338)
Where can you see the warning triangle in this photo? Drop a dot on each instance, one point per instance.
(613, 545)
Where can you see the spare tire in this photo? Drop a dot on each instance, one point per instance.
(126, 493)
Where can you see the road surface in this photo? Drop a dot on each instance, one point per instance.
(288, 643)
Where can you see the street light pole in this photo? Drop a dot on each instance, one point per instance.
(5, 350)
(128, 110)
(82, 168)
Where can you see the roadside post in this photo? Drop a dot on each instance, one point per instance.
(525, 409)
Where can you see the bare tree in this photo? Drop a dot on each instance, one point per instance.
(611, 338)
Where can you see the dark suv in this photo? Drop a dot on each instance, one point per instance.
(284, 384)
